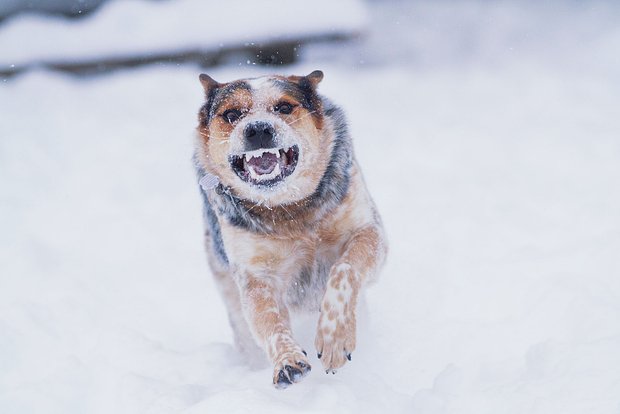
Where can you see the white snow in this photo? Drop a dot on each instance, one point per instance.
(497, 177)
(127, 28)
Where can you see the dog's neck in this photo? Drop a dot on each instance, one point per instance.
(290, 218)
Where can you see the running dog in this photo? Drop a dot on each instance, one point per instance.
(289, 223)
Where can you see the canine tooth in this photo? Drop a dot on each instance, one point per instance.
(253, 173)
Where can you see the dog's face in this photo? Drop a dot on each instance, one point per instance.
(265, 137)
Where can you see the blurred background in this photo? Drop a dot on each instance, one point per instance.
(489, 135)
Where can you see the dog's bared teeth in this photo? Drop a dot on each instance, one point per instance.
(259, 153)
(247, 165)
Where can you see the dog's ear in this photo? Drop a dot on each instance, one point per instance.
(208, 83)
(315, 77)
(311, 80)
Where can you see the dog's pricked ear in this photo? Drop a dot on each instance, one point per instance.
(315, 77)
(311, 80)
(208, 83)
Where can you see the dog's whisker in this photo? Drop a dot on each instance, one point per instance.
(301, 117)
(254, 206)
(287, 212)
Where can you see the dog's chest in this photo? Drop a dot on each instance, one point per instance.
(308, 281)
(308, 285)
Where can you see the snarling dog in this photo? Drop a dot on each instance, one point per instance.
(289, 222)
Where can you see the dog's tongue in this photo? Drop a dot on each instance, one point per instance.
(264, 164)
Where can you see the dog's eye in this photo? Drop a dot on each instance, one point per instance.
(283, 108)
(232, 115)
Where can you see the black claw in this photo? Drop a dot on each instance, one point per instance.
(319, 355)
(327, 371)
(305, 353)
(283, 380)
(333, 372)
(349, 357)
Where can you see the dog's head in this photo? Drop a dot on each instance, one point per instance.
(264, 137)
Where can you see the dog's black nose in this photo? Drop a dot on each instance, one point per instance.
(259, 134)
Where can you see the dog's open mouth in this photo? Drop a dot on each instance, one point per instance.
(265, 166)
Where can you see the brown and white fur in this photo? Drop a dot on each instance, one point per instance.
(289, 222)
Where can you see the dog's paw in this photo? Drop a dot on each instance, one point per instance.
(290, 368)
(335, 340)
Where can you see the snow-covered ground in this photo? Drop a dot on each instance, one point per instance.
(490, 137)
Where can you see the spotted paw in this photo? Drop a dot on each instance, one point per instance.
(290, 369)
(335, 340)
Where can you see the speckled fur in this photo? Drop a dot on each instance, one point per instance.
(310, 243)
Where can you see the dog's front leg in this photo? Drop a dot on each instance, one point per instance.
(335, 338)
(268, 319)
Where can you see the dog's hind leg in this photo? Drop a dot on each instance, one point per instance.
(244, 341)
(268, 318)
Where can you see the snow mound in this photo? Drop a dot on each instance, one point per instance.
(139, 28)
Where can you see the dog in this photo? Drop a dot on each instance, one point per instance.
(289, 223)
